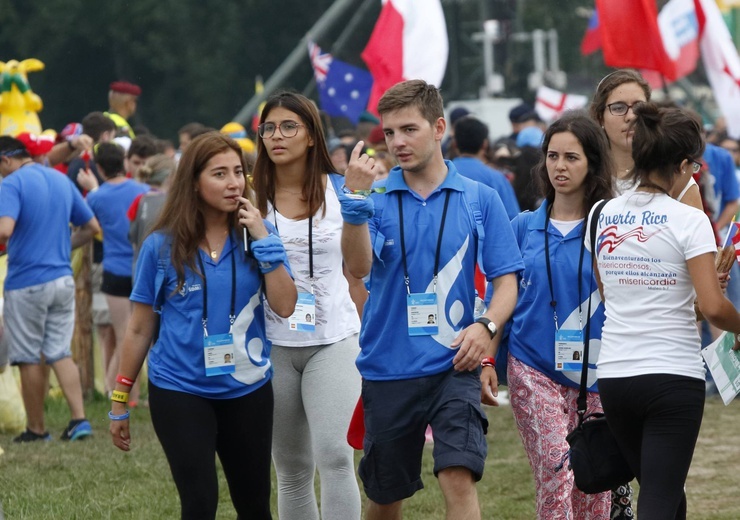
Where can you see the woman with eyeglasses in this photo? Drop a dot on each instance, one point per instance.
(654, 255)
(314, 350)
(613, 107)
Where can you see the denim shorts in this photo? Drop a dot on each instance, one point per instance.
(396, 416)
(40, 319)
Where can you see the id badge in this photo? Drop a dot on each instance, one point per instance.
(421, 311)
(568, 350)
(218, 352)
(303, 318)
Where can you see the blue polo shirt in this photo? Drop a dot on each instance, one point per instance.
(722, 168)
(176, 359)
(387, 350)
(475, 169)
(43, 202)
(110, 204)
(532, 333)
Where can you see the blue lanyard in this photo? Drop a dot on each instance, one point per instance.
(232, 314)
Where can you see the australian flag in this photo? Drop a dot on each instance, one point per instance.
(343, 88)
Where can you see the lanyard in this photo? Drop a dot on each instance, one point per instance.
(310, 242)
(439, 242)
(232, 315)
(553, 302)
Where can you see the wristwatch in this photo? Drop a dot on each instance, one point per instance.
(489, 325)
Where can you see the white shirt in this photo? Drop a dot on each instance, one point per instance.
(336, 314)
(644, 240)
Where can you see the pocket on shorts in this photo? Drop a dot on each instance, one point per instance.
(69, 282)
(477, 427)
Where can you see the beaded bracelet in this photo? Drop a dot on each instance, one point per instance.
(122, 417)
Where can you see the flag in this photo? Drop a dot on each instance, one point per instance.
(630, 36)
(679, 31)
(592, 39)
(721, 62)
(343, 88)
(259, 88)
(550, 103)
(409, 41)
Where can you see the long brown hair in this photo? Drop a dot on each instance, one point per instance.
(318, 161)
(598, 181)
(182, 215)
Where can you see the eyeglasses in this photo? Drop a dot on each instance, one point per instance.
(287, 129)
(695, 166)
(620, 108)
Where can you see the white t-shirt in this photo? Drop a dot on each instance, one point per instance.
(644, 240)
(336, 314)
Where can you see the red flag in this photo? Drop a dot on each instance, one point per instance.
(409, 41)
(630, 36)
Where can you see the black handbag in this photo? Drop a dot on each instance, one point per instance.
(595, 458)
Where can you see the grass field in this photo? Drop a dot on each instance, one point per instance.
(93, 480)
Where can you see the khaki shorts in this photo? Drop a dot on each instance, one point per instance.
(40, 319)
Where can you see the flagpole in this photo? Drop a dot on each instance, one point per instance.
(295, 58)
(729, 232)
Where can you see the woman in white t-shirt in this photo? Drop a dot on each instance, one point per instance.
(654, 257)
(316, 383)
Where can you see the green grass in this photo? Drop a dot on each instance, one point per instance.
(93, 480)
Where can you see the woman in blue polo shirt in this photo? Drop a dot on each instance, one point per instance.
(210, 375)
(543, 374)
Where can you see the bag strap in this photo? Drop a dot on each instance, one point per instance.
(581, 402)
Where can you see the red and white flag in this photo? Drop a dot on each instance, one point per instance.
(551, 103)
(630, 36)
(721, 62)
(409, 41)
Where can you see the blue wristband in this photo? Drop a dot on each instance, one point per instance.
(269, 253)
(122, 417)
(356, 210)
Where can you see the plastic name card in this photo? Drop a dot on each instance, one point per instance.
(218, 352)
(568, 350)
(421, 311)
(303, 318)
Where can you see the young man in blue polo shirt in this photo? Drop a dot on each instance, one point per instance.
(37, 205)
(417, 237)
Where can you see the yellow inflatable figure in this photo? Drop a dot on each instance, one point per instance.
(18, 104)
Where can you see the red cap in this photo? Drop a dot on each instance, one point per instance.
(36, 144)
(125, 87)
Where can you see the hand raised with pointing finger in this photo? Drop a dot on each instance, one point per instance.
(361, 170)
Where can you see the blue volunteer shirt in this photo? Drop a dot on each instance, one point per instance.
(43, 202)
(176, 359)
(475, 169)
(110, 203)
(722, 168)
(532, 334)
(387, 351)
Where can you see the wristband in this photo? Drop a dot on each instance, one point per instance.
(356, 209)
(119, 397)
(363, 193)
(488, 362)
(122, 417)
(269, 253)
(125, 381)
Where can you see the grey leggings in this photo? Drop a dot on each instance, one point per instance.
(316, 390)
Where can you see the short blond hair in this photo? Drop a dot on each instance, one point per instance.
(413, 93)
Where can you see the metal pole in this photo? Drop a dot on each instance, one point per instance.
(554, 56)
(294, 58)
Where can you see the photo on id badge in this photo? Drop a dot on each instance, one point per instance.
(218, 352)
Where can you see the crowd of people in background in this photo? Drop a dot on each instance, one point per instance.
(281, 278)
